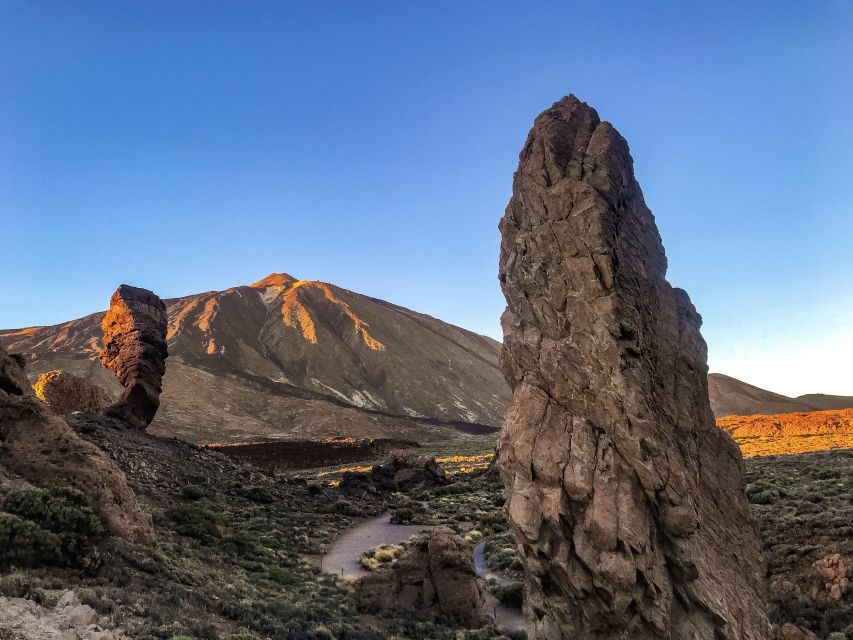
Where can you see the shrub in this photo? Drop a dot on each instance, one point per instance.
(198, 520)
(192, 492)
(257, 493)
(25, 544)
(52, 526)
(345, 508)
(383, 555)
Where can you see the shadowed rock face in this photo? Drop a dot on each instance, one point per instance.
(436, 573)
(135, 351)
(42, 448)
(627, 501)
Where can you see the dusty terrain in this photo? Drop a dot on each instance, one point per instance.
(762, 435)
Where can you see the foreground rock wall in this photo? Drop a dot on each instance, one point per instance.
(135, 351)
(627, 501)
(42, 448)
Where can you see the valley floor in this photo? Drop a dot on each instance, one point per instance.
(240, 551)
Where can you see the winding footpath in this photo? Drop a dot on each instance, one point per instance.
(342, 560)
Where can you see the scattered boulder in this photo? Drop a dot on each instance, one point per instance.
(627, 501)
(13, 379)
(434, 574)
(68, 619)
(41, 447)
(66, 393)
(402, 472)
(135, 351)
(830, 579)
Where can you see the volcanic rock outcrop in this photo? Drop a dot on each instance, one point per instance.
(401, 472)
(42, 448)
(66, 393)
(435, 574)
(627, 501)
(135, 351)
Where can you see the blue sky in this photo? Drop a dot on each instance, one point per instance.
(190, 146)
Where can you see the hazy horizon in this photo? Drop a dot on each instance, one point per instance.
(373, 147)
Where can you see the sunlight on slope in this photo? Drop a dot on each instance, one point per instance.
(764, 435)
(296, 315)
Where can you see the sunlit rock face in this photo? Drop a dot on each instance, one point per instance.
(627, 501)
(66, 393)
(135, 351)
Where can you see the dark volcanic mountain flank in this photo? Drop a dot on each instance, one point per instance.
(730, 396)
(288, 358)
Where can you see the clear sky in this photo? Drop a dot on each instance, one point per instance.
(190, 146)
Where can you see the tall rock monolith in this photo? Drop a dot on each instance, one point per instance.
(627, 501)
(135, 351)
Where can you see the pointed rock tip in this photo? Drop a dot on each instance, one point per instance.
(274, 279)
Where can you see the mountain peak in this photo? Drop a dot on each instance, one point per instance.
(274, 280)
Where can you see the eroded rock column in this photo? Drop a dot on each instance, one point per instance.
(135, 351)
(627, 501)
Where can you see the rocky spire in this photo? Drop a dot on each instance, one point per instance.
(135, 351)
(626, 499)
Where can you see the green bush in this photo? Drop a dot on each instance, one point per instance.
(52, 526)
(25, 544)
(198, 520)
(345, 508)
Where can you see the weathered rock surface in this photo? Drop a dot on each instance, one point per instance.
(402, 471)
(42, 448)
(830, 578)
(13, 379)
(135, 351)
(67, 620)
(627, 501)
(66, 393)
(435, 574)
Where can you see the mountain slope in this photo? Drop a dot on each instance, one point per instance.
(293, 358)
(730, 396)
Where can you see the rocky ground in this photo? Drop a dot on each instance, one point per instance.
(238, 551)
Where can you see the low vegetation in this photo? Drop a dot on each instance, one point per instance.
(239, 551)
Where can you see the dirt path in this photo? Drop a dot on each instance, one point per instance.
(342, 557)
(342, 560)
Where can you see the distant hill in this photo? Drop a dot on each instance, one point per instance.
(289, 358)
(730, 396)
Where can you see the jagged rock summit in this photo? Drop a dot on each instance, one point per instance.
(627, 501)
(135, 351)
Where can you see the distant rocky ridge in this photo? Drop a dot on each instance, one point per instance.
(730, 396)
(289, 358)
